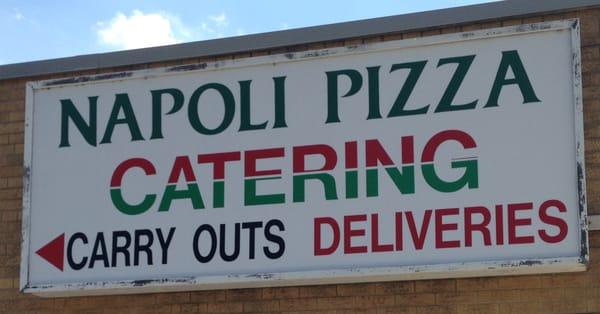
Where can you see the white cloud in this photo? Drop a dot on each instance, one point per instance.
(220, 20)
(140, 30)
(18, 15)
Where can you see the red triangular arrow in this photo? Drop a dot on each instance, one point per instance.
(54, 252)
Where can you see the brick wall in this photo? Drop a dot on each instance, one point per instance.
(559, 293)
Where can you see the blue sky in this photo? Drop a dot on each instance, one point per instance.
(42, 29)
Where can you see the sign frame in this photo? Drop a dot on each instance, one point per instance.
(336, 276)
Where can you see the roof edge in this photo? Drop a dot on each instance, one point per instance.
(293, 37)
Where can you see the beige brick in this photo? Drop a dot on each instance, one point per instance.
(519, 282)
(353, 42)
(261, 306)
(208, 296)
(519, 308)
(281, 293)
(446, 285)
(6, 283)
(244, 294)
(564, 280)
(318, 291)
(411, 35)
(16, 116)
(372, 301)
(476, 283)
(540, 295)
(226, 307)
(456, 298)
(357, 289)
(395, 287)
(396, 310)
(415, 299)
(396, 36)
(298, 304)
(478, 308)
(11, 128)
(437, 309)
(335, 303)
(498, 296)
(563, 307)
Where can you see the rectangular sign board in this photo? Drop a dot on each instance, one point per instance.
(456, 155)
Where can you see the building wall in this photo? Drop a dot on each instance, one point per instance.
(559, 293)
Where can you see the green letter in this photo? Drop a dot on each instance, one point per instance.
(404, 181)
(511, 59)
(332, 91)
(245, 111)
(88, 131)
(464, 63)
(299, 183)
(117, 198)
(251, 198)
(279, 102)
(192, 192)
(373, 77)
(157, 108)
(122, 102)
(228, 102)
(416, 68)
(469, 178)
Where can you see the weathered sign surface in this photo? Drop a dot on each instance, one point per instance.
(448, 156)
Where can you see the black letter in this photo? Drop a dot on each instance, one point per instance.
(120, 249)
(223, 243)
(99, 244)
(251, 226)
(143, 247)
(164, 245)
(274, 238)
(74, 265)
(213, 244)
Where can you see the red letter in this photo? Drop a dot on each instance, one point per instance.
(182, 163)
(218, 160)
(513, 222)
(418, 237)
(336, 235)
(349, 233)
(375, 153)
(432, 145)
(481, 227)
(376, 247)
(554, 221)
(440, 227)
(251, 156)
(299, 152)
(499, 225)
(399, 231)
(351, 152)
(117, 176)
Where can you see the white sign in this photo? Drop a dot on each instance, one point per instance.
(447, 156)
